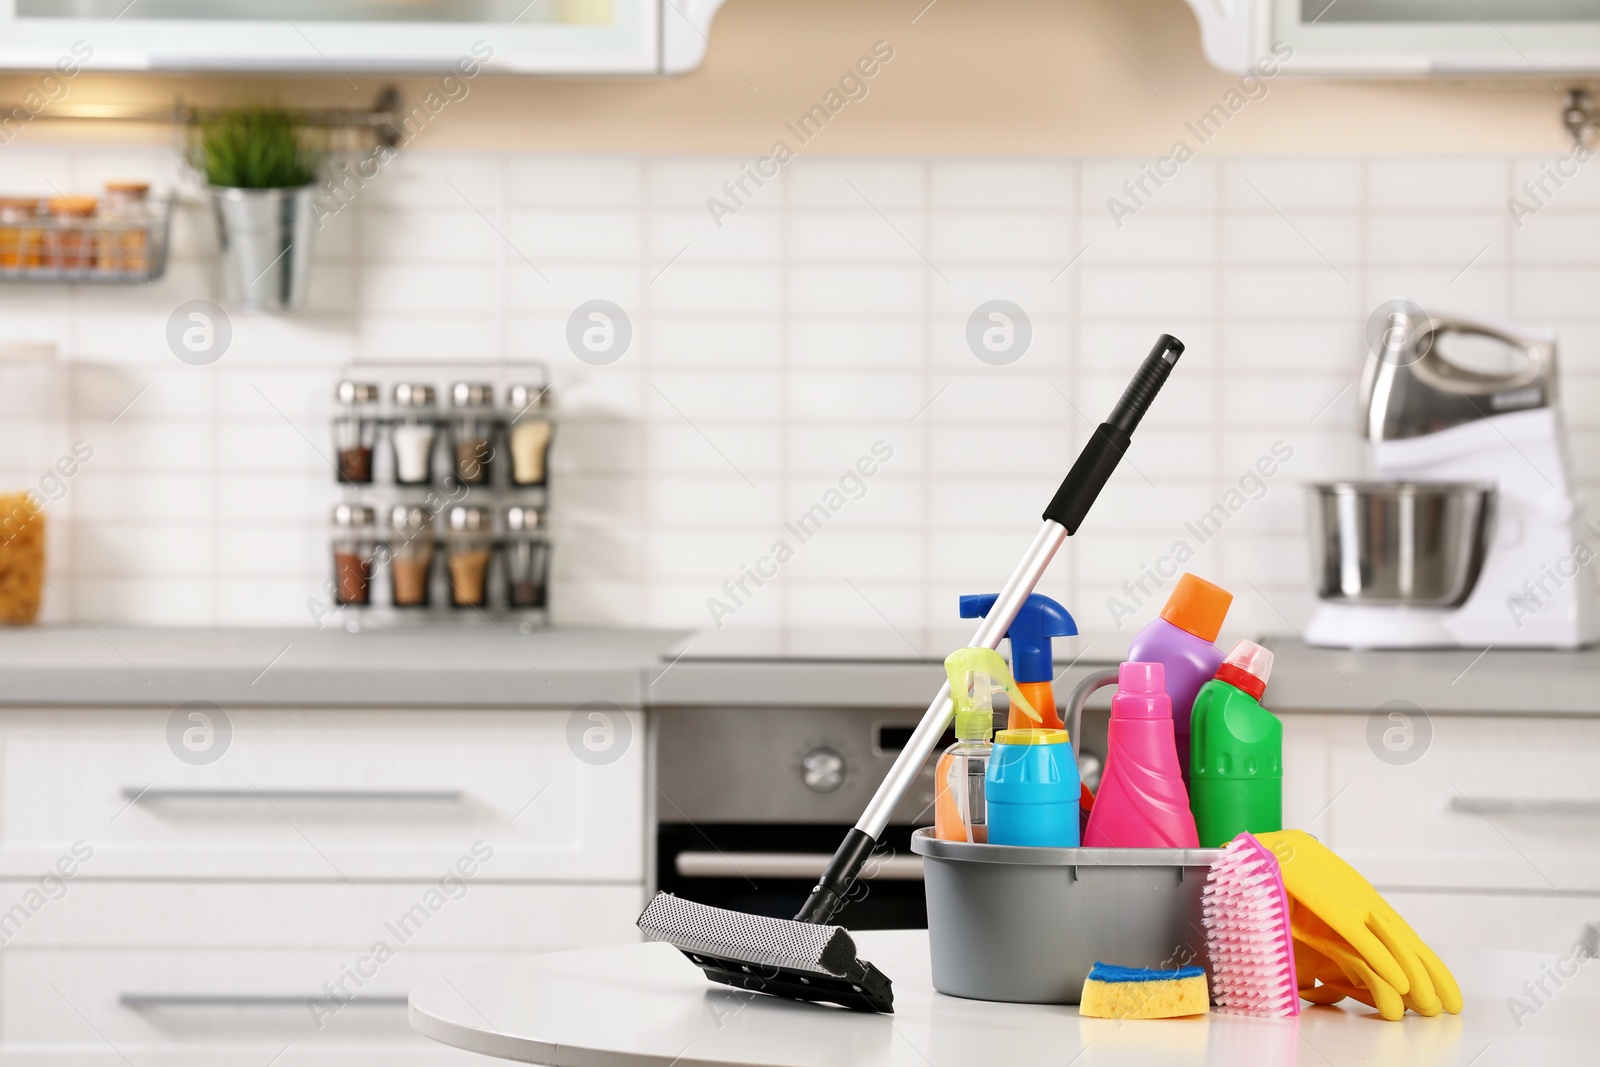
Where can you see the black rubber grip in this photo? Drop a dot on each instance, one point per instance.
(1111, 438)
(1147, 382)
(829, 894)
(1087, 477)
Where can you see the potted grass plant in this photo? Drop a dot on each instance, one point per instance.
(260, 172)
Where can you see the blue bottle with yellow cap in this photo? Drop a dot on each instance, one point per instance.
(1032, 789)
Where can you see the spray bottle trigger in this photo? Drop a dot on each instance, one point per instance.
(965, 664)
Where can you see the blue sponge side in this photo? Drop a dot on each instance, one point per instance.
(1109, 972)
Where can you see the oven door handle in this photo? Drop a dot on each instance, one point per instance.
(790, 865)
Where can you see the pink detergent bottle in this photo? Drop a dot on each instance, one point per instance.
(1183, 640)
(1141, 802)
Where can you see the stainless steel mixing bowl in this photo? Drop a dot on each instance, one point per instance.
(1414, 543)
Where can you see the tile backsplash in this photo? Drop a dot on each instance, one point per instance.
(799, 375)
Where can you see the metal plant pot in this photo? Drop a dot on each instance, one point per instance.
(266, 245)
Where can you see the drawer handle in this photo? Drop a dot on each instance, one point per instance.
(789, 865)
(1508, 806)
(405, 796)
(139, 1001)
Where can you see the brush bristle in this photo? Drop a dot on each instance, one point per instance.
(1246, 915)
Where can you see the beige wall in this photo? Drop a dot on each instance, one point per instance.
(969, 77)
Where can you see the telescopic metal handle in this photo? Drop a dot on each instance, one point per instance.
(1061, 519)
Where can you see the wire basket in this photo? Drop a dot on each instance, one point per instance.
(110, 251)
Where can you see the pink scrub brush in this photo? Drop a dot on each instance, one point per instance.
(1246, 915)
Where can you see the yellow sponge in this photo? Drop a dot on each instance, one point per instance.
(1139, 993)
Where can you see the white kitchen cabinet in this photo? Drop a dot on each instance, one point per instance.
(321, 794)
(341, 36)
(194, 928)
(1376, 38)
(224, 974)
(1496, 824)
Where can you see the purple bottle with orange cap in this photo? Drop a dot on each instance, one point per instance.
(1183, 641)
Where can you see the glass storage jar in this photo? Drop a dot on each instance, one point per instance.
(355, 430)
(354, 540)
(415, 429)
(527, 559)
(529, 433)
(468, 549)
(410, 555)
(122, 240)
(19, 232)
(471, 431)
(69, 241)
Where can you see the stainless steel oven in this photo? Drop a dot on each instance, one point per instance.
(752, 801)
(767, 747)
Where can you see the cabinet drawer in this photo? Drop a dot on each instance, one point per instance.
(348, 794)
(1524, 922)
(193, 973)
(116, 1006)
(1504, 803)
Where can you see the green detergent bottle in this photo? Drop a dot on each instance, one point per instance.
(1236, 753)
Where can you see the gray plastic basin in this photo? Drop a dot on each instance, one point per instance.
(1019, 924)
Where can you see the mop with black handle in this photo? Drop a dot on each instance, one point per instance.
(806, 958)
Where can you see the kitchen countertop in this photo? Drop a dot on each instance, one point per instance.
(644, 1005)
(457, 666)
(854, 671)
(488, 666)
(1451, 681)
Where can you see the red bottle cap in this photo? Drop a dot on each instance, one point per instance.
(1247, 667)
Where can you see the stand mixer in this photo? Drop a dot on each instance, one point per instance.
(1472, 538)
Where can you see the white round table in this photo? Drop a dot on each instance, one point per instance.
(645, 1005)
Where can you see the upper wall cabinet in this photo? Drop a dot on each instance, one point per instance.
(1401, 37)
(335, 36)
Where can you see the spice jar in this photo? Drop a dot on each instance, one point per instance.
(355, 429)
(69, 243)
(527, 558)
(410, 555)
(416, 427)
(471, 431)
(353, 545)
(19, 232)
(468, 548)
(529, 433)
(122, 244)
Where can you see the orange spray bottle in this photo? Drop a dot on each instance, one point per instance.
(1032, 663)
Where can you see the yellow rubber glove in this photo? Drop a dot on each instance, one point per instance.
(1330, 970)
(1343, 918)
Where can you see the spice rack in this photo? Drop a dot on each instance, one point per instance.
(66, 240)
(443, 475)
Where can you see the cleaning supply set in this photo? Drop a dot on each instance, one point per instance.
(1130, 924)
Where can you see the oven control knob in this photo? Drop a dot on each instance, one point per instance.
(822, 770)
